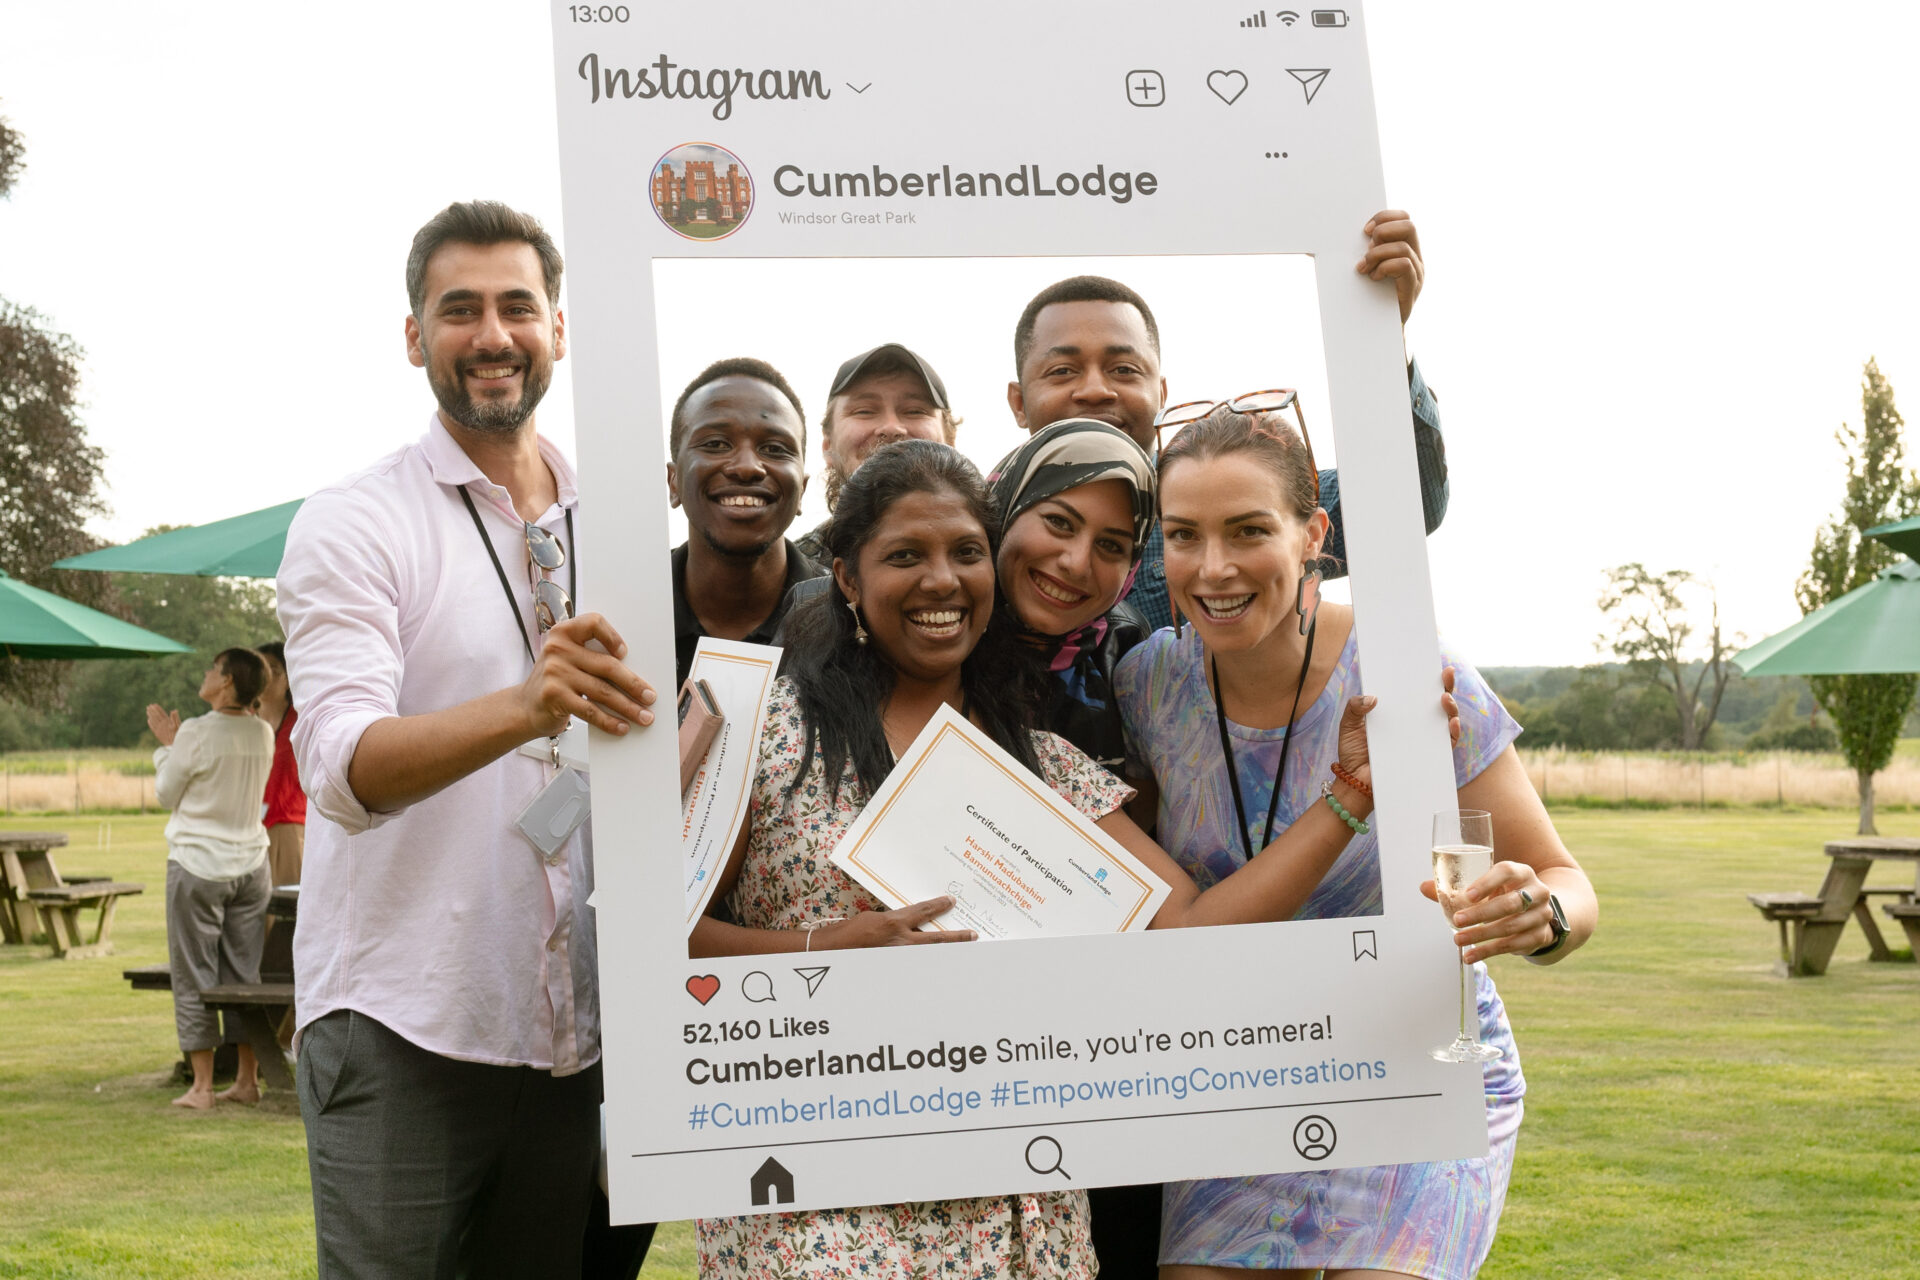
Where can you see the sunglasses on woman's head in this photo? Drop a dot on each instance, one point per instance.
(1252, 404)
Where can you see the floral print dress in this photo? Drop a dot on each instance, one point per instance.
(786, 880)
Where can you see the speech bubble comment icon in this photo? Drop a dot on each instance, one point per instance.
(757, 987)
(1043, 1157)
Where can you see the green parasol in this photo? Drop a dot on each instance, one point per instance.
(1871, 630)
(1902, 535)
(248, 546)
(39, 624)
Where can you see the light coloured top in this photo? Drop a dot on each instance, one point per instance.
(439, 920)
(1434, 1219)
(214, 777)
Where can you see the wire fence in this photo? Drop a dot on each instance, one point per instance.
(1702, 779)
(78, 782)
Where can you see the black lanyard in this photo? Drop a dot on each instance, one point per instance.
(519, 624)
(1226, 748)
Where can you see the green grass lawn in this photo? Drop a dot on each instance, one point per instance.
(1689, 1114)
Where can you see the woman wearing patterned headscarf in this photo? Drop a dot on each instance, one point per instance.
(1076, 504)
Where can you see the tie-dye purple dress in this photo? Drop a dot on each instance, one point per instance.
(1434, 1219)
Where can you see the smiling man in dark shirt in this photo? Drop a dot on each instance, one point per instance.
(738, 439)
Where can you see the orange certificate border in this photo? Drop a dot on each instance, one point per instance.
(1049, 800)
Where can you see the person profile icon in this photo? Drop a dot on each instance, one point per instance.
(1314, 1137)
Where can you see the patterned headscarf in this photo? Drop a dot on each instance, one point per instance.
(1064, 456)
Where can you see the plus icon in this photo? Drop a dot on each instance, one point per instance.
(1146, 88)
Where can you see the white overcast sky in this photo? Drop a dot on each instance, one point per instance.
(1662, 241)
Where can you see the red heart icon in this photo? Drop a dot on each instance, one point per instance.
(703, 988)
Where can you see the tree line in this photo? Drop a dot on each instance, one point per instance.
(51, 482)
(1606, 707)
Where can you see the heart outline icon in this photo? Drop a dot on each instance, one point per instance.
(703, 987)
(1237, 79)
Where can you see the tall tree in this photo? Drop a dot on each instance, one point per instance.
(1867, 710)
(1654, 634)
(50, 477)
(13, 157)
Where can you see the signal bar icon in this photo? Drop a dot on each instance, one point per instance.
(1259, 19)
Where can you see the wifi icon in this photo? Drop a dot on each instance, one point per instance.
(1287, 17)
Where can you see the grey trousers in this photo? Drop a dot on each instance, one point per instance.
(425, 1167)
(215, 929)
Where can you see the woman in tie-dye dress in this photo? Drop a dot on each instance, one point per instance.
(1243, 528)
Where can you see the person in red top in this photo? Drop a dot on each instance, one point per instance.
(286, 816)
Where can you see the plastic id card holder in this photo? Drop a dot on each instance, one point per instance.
(555, 814)
(570, 748)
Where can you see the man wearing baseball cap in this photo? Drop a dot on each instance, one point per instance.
(878, 396)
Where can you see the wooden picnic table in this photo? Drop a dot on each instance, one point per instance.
(31, 889)
(276, 954)
(1844, 893)
(26, 862)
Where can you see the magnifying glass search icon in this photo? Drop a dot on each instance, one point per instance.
(1043, 1157)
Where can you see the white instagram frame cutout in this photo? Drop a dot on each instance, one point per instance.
(1057, 101)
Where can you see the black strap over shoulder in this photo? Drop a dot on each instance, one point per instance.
(506, 589)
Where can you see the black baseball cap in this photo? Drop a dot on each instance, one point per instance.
(856, 368)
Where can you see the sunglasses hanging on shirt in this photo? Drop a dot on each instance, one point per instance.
(552, 816)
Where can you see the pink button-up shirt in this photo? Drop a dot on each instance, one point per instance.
(440, 920)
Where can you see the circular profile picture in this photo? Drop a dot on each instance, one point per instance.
(701, 191)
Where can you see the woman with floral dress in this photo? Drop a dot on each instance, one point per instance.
(912, 626)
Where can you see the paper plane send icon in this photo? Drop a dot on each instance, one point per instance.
(813, 978)
(1310, 78)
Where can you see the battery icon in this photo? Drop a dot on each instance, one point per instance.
(1329, 17)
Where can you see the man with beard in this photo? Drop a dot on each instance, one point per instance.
(1089, 347)
(878, 396)
(738, 439)
(449, 1039)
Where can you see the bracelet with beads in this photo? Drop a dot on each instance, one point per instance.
(1359, 827)
(1352, 779)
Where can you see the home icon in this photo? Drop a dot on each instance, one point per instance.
(771, 1184)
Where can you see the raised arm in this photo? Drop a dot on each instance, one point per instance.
(1281, 876)
(1393, 253)
(173, 762)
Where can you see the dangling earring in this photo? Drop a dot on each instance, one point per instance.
(1309, 577)
(859, 629)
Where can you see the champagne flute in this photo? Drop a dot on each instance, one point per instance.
(1462, 853)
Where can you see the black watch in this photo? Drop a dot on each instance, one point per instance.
(1560, 929)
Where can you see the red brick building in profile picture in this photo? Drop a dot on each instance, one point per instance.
(699, 194)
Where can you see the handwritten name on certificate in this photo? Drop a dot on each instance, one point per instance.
(959, 816)
(740, 675)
